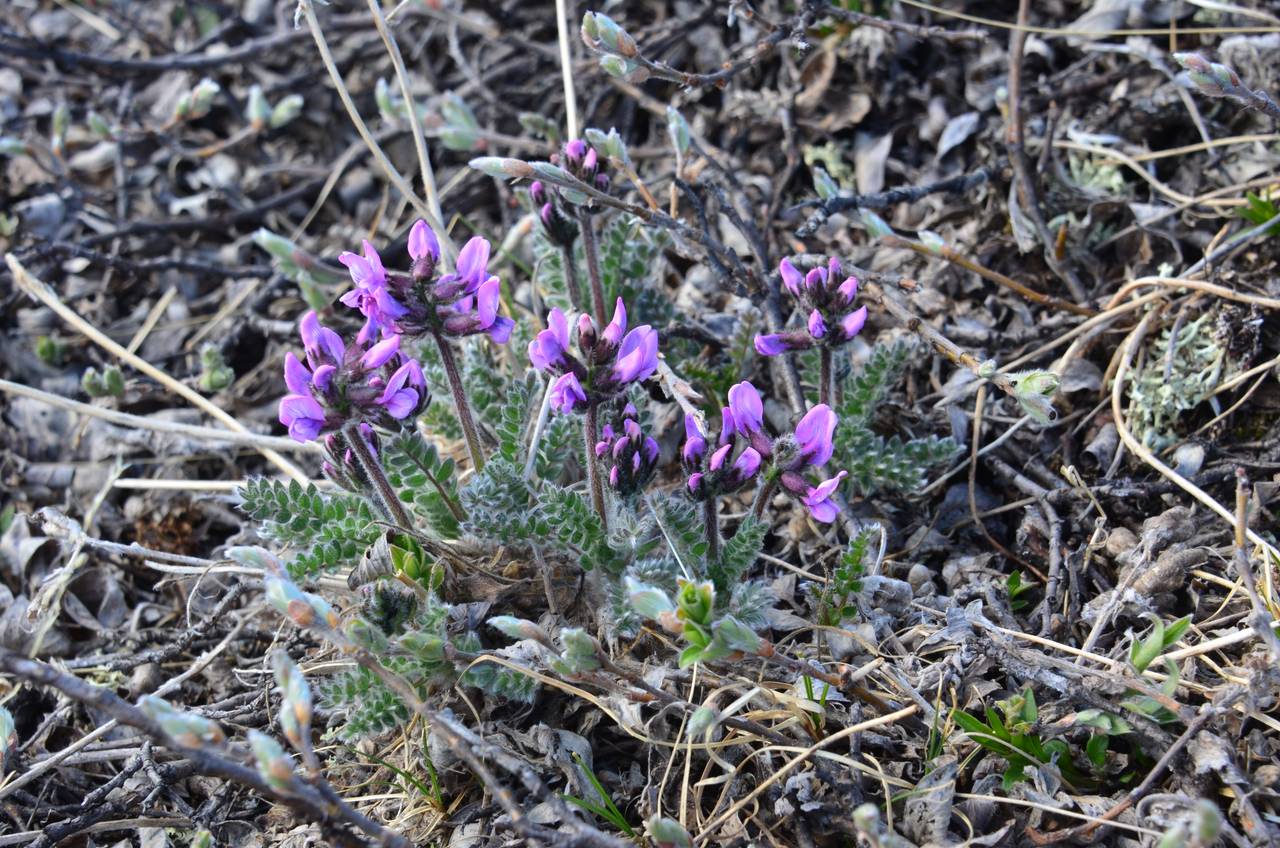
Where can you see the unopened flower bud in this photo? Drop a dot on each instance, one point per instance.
(274, 764)
(186, 729)
(258, 111)
(202, 98)
(285, 111)
(498, 166)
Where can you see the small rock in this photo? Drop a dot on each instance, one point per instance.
(146, 678)
(42, 216)
(1120, 541)
(921, 579)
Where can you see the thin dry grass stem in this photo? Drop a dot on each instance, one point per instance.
(1195, 285)
(953, 256)
(389, 170)
(1070, 32)
(192, 431)
(42, 292)
(935, 339)
(415, 127)
(566, 68)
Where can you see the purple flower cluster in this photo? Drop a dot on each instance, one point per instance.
(557, 226)
(740, 450)
(743, 447)
(828, 302)
(632, 454)
(609, 361)
(461, 303)
(582, 160)
(339, 383)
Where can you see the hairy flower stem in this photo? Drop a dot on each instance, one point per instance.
(763, 495)
(824, 375)
(592, 253)
(460, 402)
(711, 520)
(591, 434)
(571, 280)
(376, 476)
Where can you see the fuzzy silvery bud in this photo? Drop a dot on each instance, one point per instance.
(678, 130)
(1033, 389)
(461, 129)
(201, 100)
(99, 125)
(499, 166)
(274, 764)
(667, 833)
(258, 111)
(8, 737)
(932, 241)
(579, 654)
(876, 226)
(649, 602)
(295, 701)
(424, 646)
(519, 628)
(736, 636)
(624, 69)
(187, 729)
(602, 33)
(285, 111)
(610, 144)
(823, 184)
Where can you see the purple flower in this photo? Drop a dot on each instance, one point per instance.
(303, 415)
(547, 350)
(824, 301)
(813, 435)
(746, 465)
(296, 375)
(817, 327)
(381, 353)
(637, 356)
(851, 324)
(747, 408)
(567, 394)
(718, 458)
(473, 262)
(400, 397)
(371, 296)
(695, 482)
(771, 345)
(617, 327)
(321, 344)
(849, 289)
(818, 499)
(791, 277)
(423, 242)
(633, 456)
(695, 444)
